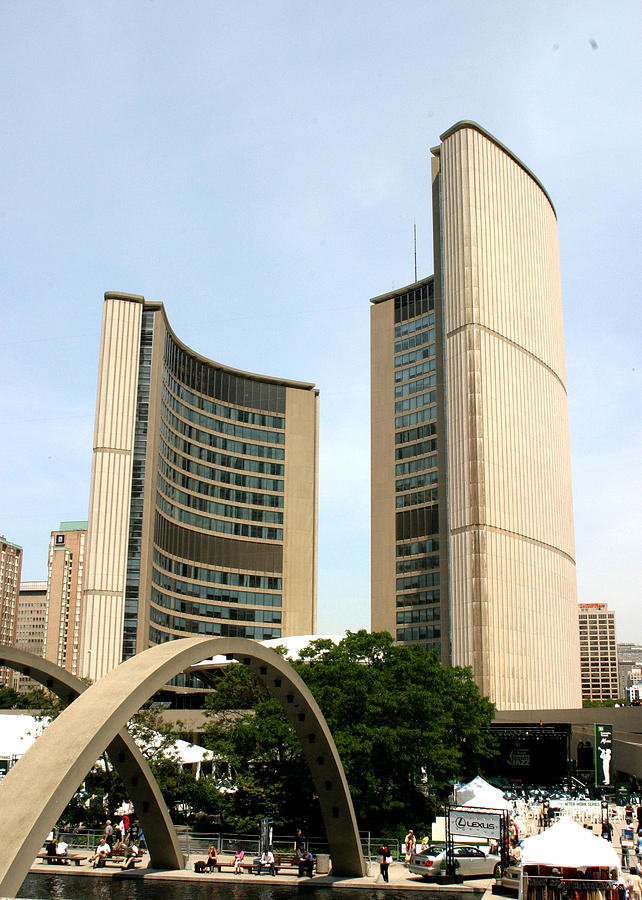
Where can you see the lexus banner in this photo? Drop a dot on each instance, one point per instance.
(475, 823)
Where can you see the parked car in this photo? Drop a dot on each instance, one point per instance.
(508, 883)
(469, 862)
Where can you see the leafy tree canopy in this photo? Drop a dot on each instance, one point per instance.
(404, 725)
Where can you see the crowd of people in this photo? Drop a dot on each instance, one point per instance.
(120, 842)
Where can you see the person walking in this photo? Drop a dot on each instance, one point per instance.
(410, 842)
(384, 862)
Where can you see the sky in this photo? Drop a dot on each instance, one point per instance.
(258, 167)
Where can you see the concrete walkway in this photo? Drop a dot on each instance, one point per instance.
(400, 878)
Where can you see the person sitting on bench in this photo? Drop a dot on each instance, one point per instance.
(267, 861)
(102, 852)
(132, 856)
(306, 864)
(211, 862)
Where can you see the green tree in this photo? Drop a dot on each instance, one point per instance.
(404, 725)
(252, 739)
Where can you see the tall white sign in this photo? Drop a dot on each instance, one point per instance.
(475, 823)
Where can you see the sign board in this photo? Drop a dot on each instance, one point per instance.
(603, 756)
(475, 823)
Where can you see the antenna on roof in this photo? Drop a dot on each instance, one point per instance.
(414, 226)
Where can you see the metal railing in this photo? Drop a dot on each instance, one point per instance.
(197, 843)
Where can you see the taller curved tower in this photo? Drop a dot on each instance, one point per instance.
(479, 562)
(203, 499)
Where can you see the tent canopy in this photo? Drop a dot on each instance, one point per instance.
(570, 845)
(481, 794)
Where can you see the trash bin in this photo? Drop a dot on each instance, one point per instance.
(323, 863)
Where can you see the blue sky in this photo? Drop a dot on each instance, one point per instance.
(257, 166)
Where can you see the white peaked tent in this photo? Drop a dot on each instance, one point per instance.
(570, 845)
(481, 794)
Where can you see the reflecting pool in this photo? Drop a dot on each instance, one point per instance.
(58, 887)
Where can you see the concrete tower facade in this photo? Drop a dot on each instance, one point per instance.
(490, 531)
(203, 501)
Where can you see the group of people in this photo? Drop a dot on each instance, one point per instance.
(55, 848)
(121, 841)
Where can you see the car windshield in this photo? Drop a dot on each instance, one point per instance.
(432, 851)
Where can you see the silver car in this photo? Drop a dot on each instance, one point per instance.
(469, 862)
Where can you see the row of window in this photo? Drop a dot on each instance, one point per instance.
(415, 402)
(221, 443)
(424, 415)
(414, 434)
(418, 633)
(417, 564)
(216, 629)
(409, 616)
(219, 595)
(414, 302)
(219, 459)
(220, 475)
(212, 508)
(415, 582)
(429, 365)
(227, 412)
(417, 497)
(417, 547)
(418, 324)
(209, 489)
(201, 418)
(416, 481)
(206, 610)
(239, 529)
(415, 340)
(415, 449)
(220, 384)
(416, 465)
(426, 337)
(419, 598)
(214, 576)
(403, 390)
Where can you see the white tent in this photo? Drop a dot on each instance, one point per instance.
(481, 794)
(570, 845)
(18, 732)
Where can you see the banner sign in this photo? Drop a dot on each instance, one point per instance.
(475, 823)
(603, 755)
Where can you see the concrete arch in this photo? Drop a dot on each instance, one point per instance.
(36, 790)
(131, 765)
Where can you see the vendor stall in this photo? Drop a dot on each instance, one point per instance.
(568, 861)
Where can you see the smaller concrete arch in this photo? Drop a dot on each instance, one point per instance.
(131, 765)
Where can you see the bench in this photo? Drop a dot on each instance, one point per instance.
(121, 860)
(286, 861)
(62, 860)
(226, 863)
(282, 861)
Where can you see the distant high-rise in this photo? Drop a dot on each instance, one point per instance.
(10, 571)
(472, 520)
(203, 498)
(30, 627)
(65, 580)
(598, 652)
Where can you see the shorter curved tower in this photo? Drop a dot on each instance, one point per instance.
(203, 499)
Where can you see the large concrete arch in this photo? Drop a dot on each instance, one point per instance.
(36, 790)
(131, 765)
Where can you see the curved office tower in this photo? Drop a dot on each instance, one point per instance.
(495, 504)
(203, 501)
